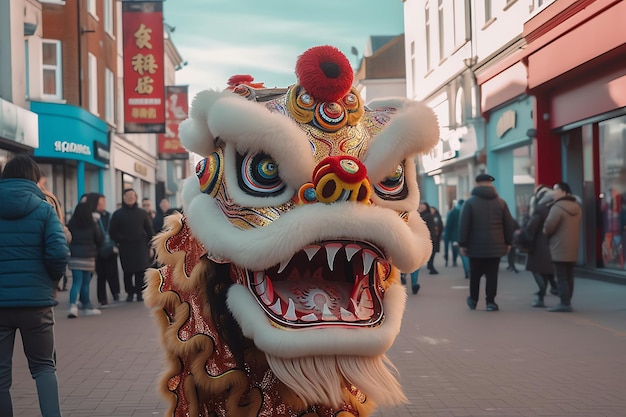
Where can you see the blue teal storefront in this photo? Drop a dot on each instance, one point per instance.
(73, 150)
(510, 155)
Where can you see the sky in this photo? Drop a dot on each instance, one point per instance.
(263, 38)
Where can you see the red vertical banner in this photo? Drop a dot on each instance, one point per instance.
(176, 110)
(144, 68)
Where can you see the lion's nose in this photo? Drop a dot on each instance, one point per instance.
(337, 178)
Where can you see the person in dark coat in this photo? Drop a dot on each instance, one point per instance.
(131, 228)
(451, 234)
(485, 236)
(562, 226)
(33, 258)
(86, 238)
(438, 232)
(538, 259)
(512, 250)
(106, 264)
(162, 212)
(429, 219)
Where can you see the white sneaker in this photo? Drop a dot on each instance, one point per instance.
(73, 313)
(92, 312)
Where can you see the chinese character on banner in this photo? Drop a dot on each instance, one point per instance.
(176, 109)
(144, 73)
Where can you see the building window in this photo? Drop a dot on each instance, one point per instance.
(109, 96)
(27, 67)
(488, 12)
(442, 40)
(413, 68)
(459, 113)
(91, 8)
(427, 36)
(108, 17)
(93, 84)
(461, 22)
(51, 69)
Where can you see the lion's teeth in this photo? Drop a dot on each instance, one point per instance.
(368, 260)
(366, 299)
(355, 307)
(283, 265)
(331, 252)
(346, 315)
(365, 313)
(260, 283)
(259, 276)
(311, 251)
(268, 292)
(327, 315)
(276, 308)
(309, 317)
(291, 311)
(351, 249)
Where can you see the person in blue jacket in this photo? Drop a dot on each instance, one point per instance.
(33, 257)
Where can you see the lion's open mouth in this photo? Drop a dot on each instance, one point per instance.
(326, 284)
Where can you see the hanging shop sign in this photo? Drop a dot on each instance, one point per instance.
(144, 72)
(176, 110)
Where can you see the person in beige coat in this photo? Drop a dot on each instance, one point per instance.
(562, 227)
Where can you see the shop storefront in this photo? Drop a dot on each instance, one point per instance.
(510, 153)
(73, 150)
(447, 172)
(133, 167)
(581, 119)
(18, 131)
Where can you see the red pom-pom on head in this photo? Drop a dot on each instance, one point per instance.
(325, 73)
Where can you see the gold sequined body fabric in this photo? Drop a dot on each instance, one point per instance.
(206, 377)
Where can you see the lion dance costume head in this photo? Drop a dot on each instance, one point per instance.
(279, 292)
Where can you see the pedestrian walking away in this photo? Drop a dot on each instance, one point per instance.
(29, 275)
(131, 228)
(485, 235)
(86, 238)
(54, 202)
(428, 218)
(451, 234)
(437, 234)
(106, 259)
(562, 227)
(538, 259)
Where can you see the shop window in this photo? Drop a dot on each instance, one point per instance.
(523, 181)
(612, 218)
(51, 69)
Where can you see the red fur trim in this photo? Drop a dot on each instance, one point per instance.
(325, 73)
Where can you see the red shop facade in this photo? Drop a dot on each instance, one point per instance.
(576, 62)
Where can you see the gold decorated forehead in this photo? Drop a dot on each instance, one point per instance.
(344, 127)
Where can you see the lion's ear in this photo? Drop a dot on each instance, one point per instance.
(195, 134)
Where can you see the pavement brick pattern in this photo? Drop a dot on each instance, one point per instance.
(453, 362)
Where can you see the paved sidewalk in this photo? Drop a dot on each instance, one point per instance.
(453, 362)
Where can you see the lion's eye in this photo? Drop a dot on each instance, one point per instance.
(258, 175)
(393, 187)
